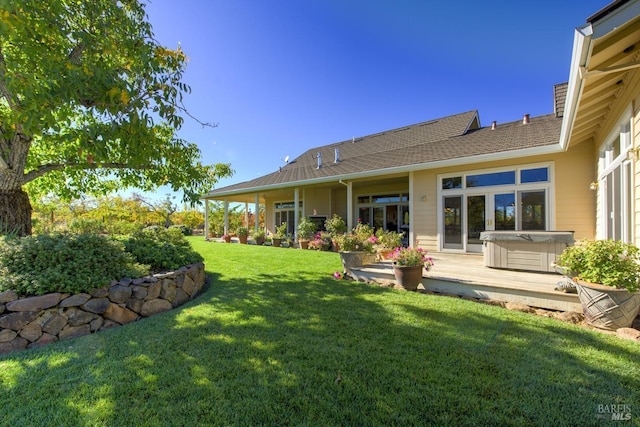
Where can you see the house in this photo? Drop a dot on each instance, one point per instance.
(602, 112)
(444, 181)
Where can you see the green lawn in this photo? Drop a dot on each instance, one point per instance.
(266, 343)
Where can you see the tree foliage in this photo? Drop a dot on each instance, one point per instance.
(90, 102)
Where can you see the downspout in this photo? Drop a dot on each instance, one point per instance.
(579, 59)
(349, 203)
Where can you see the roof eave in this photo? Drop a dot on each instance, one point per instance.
(579, 58)
(460, 161)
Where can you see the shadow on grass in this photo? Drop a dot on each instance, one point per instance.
(283, 349)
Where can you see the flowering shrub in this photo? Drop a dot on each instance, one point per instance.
(321, 242)
(349, 242)
(412, 257)
(387, 239)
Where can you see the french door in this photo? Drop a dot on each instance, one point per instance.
(466, 216)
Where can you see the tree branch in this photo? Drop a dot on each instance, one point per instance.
(43, 169)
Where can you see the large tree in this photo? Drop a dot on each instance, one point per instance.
(89, 102)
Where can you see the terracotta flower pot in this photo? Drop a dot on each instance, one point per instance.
(408, 276)
(276, 242)
(607, 307)
(243, 239)
(304, 244)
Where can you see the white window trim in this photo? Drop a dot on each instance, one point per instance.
(548, 186)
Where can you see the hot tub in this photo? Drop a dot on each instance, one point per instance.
(524, 250)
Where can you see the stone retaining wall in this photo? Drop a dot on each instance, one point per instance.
(36, 321)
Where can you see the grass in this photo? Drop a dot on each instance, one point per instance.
(267, 341)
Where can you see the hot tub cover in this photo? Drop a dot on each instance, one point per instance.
(528, 236)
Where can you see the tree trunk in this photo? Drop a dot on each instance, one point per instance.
(15, 213)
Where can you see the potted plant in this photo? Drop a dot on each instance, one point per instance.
(335, 226)
(356, 247)
(607, 274)
(408, 264)
(305, 230)
(259, 236)
(280, 234)
(243, 234)
(321, 241)
(387, 242)
(226, 238)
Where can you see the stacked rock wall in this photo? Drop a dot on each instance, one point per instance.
(35, 321)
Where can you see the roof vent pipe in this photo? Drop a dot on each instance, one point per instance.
(319, 160)
(337, 155)
(525, 119)
(494, 125)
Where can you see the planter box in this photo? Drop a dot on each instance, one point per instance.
(524, 250)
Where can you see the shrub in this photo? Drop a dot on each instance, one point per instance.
(186, 231)
(37, 265)
(86, 226)
(161, 248)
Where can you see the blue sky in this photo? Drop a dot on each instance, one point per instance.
(282, 76)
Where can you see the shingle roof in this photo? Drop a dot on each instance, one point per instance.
(451, 137)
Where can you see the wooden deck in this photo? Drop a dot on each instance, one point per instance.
(466, 275)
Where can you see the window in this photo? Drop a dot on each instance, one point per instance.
(533, 210)
(534, 175)
(487, 179)
(385, 211)
(284, 212)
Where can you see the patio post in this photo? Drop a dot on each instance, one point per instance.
(206, 219)
(226, 216)
(349, 205)
(296, 212)
(246, 213)
(256, 210)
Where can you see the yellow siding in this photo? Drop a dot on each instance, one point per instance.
(573, 200)
(318, 199)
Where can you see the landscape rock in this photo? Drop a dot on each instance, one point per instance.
(31, 332)
(34, 303)
(119, 314)
(134, 304)
(79, 317)
(17, 321)
(120, 294)
(153, 291)
(181, 298)
(188, 285)
(629, 333)
(139, 292)
(516, 306)
(155, 306)
(17, 344)
(54, 324)
(43, 340)
(99, 292)
(8, 296)
(570, 317)
(96, 305)
(75, 300)
(74, 332)
(168, 290)
(96, 324)
(7, 335)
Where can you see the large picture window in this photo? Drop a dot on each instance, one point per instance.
(285, 212)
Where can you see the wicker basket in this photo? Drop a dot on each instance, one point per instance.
(606, 307)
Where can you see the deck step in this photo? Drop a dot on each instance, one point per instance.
(485, 283)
